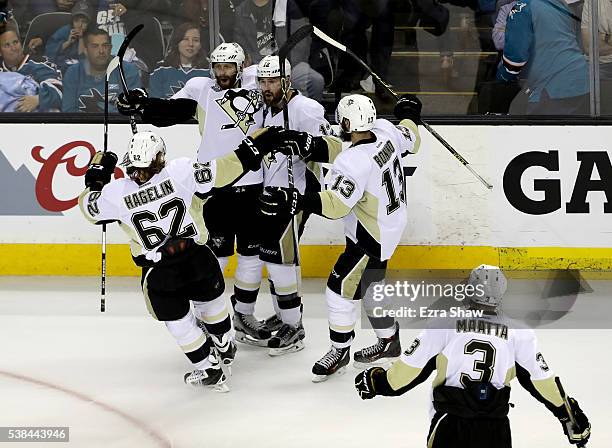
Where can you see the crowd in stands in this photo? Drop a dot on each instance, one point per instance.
(54, 53)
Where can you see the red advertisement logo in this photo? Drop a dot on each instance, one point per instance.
(44, 183)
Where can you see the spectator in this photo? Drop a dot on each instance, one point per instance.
(254, 31)
(541, 35)
(186, 59)
(499, 29)
(84, 81)
(605, 35)
(119, 17)
(197, 11)
(66, 46)
(45, 74)
(37, 7)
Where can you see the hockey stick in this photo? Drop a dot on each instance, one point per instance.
(568, 408)
(283, 53)
(109, 70)
(325, 38)
(120, 54)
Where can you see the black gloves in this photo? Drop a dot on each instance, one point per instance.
(408, 106)
(133, 103)
(364, 382)
(252, 149)
(275, 201)
(100, 170)
(295, 143)
(580, 431)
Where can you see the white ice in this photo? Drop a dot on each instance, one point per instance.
(116, 379)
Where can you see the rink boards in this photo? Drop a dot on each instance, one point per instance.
(548, 207)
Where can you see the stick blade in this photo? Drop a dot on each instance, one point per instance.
(128, 39)
(114, 63)
(294, 39)
(325, 38)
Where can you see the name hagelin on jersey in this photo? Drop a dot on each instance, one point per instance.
(240, 106)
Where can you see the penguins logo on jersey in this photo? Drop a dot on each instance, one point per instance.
(240, 106)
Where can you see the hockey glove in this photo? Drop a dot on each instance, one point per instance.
(299, 144)
(364, 382)
(100, 170)
(133, 103)
(252, 149)
(280, 201)
(579, 431)
(408, 107)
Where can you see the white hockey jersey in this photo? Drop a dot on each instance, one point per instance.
(476, 350)
(366, 186)
(225, 118)
(305, 115)
(170, 204)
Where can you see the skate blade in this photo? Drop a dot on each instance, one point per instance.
(246, 339)
(286, 350)
(221, 387)
(383, 362)
(320, 378)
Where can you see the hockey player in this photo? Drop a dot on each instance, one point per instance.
(160, 208)
(365, 187)
(226, 112)
(476, 359)
(277, 245)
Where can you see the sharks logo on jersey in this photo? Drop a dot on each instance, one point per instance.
(240, 106)
(94, 101)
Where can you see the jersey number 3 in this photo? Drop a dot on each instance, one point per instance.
(484, 367)
(153, 236)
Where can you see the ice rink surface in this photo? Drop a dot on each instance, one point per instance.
(116, 379)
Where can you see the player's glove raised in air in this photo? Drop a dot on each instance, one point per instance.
(133, 102)
(408, 107)
(364, 382)
(253, 148)
(580, 431)
(100, 170)
(280, 201)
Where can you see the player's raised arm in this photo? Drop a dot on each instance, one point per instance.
(95, 202)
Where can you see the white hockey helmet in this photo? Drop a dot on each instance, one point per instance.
(490, 283)
(269, 67)
(359, 110)
(229, 52)
(144, 148)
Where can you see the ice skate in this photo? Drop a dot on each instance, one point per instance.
(288, 339)
(383, 353)
(250, 331)
(273, 323)
(333, 363)
(212, 378)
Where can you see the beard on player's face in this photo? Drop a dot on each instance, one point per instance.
(225, 74)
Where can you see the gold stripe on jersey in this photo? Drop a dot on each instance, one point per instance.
(145, 292)
(549, 390)
(441, 368)
(217, 317)
(341, 328)
(332, 206)
(286, 290)
(287, 248)
(229, 168)
(195, 211)
(334, 147)
(415, 129)
(430, 441)
(201, 117)
(350, 283)
(366, 211)
(510, 375)
(400, 374)
(199, 342)
(136, 248)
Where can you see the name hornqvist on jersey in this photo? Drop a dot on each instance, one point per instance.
(148, 195)
(384, 155)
